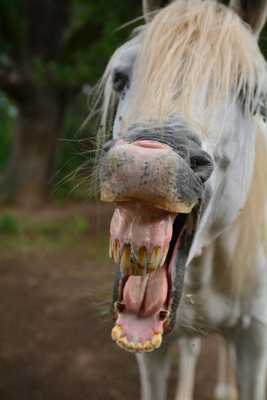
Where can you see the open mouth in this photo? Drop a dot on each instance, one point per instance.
(151, 246)
(157, 191)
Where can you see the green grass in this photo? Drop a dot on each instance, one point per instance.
(21, 233)
(76, 226)
(24, 235)
(8, 224)
(12, 226)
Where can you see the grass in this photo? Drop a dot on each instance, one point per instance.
(8, 225)
(24, 234)
(76, 226)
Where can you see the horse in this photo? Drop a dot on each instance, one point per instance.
(186, 167)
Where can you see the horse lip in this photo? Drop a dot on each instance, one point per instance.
(154, 175)
(150, 144)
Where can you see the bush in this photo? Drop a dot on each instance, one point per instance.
(8, 224)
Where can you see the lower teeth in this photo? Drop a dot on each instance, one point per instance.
(147, 346)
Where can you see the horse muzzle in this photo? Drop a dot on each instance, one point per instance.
(150, 172)
(156, 193)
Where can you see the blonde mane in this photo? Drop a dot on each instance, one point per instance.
(194, 56)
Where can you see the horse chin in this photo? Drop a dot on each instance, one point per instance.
(151, 246)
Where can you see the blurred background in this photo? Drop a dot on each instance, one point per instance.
(55, 276)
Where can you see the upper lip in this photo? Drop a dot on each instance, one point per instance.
(150, 144)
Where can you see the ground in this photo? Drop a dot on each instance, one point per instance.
(55, 291)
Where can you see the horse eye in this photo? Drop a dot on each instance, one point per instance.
(119, 80)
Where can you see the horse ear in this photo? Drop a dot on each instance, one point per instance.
(152, 5)
(253, 12)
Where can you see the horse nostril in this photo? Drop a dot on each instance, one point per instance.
(164, 315)
(202, 164)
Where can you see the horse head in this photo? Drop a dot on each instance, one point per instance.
(185, 90)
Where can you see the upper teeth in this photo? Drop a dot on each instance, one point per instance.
(137, 263)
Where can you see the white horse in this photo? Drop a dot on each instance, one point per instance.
(187, 168)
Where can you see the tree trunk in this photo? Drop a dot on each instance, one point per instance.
(32, 161)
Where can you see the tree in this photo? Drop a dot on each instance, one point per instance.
(48, 50)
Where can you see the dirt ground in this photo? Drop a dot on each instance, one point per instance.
(55, 326)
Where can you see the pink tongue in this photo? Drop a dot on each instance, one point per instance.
(144, 298)
(146, 295)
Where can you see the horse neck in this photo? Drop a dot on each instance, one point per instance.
(239, 251)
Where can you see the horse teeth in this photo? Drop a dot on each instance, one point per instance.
(131, 346)
(164, 255)
(116, 333)
(110, 249)
(137, 270)
(125, 262)
(147, 346)
(155, 258)
(138, 347)
(136, 264)
(135, 347)
(156, 340)
(143, 257)
(123, 342)
(116, 251)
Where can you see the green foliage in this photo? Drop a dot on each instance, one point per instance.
(79, 225)
(7, 119)
(82, 35)
(8, 224)
(62, 45)
(75, 227)
(93, 35)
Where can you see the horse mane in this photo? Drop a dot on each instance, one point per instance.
(190, 49)
(194, 56)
